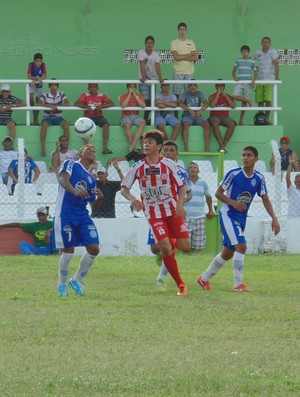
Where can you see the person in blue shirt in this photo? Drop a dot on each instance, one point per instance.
(240, 185)
(72, 224)
(31, 171)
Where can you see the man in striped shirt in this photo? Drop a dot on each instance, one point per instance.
(162, 200)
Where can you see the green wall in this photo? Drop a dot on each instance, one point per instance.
(85, 40)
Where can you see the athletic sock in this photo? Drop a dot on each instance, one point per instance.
(64, 267)
(84, 266)
(171, 264)
(162, 273)
(213, 268)
(238, 268)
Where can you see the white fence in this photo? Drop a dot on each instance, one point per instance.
(153, 84)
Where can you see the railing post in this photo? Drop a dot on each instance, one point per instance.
(275, 103)
(28, 104)
(152, 102)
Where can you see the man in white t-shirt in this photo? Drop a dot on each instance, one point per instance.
(268, 69)
(62, 153)
(149, 69)
(6, 157)
(185, 55)
(293, 191)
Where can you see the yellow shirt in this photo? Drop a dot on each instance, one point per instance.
(182, 48)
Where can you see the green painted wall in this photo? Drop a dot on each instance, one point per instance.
(85, 39)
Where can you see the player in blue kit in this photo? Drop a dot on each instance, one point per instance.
(240, 184)
(72, 225)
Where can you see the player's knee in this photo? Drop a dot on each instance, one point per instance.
(94, 251)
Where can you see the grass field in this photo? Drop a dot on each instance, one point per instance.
(128, 338)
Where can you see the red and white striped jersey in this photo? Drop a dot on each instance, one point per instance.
(158, 185)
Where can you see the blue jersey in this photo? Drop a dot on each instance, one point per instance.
(240, 187)
(186, 177)
(67, 204)
(29, 165)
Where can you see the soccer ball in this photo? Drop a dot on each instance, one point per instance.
(84, 127)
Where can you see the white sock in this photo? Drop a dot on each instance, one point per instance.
(213, 268)
(84, 266)
(64, 267)
(238, 268)
(162, 273)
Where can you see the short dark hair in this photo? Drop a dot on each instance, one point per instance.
(149, 38)
(182, 25)
(245, 47)
(156, 135)
(266, 38)
(38, 55)
(220, 83)
(53, 82)
(171, 143)
(128, 84)
(252, 149)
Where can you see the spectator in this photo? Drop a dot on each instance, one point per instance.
(194, 99)
(62, 153)
(221, 117)
(161, 201)
(37, 73)
(6, 156)
(165, 99)
(109, 190)
(131, 117)
(52, 100)
(268, 69)
(7, 103)
(244, 69)
(42, 232)
(293, 191)
(149, 68)
(185, 55)
(285, 154)
(29, 167)
(93, 103)
(195, 209)
(135, 154)
(241, 185)
(72, 225)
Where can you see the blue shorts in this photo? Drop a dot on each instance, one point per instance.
(6, 121)
(132, 120)
(192, 120)
(151, 238)
(75, 232)
(232, 229)
(172, 121)
(100, 121)
(54, 120)
(145, 90)
(177, 88)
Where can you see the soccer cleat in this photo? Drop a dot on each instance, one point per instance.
(160, 283)
(241, 288)
(182, 290)
(76, 286)
(203, 284)
(62, 290)
(158, 259)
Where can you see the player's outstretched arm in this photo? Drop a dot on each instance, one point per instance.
(269, 208)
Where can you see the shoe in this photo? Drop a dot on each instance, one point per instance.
(62, 290)
(76, 286)
(160, 283)
(204, 284)
(241, 288)
(182, 290)
(158, 259)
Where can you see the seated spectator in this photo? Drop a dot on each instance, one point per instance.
(62, 153)
(7, 103)
(131, 117)
(166, 99)
(29, 167)
(93, 102)
(52, 100)
(109, 190)
(293, 191)
(6, 156)
(221, 117)
(135, 154)
(285, 153)
(194, 99)
(42, 232)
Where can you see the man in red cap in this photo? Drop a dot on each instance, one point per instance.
(285, 153)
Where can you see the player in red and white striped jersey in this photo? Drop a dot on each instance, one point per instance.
(162, 200)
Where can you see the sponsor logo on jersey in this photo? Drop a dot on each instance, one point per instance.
(244, 197)
(81, 185)
(67, 228)
(253, 182)
(152, 171)
(154, 191)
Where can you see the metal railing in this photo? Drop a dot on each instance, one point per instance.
(152, 108)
